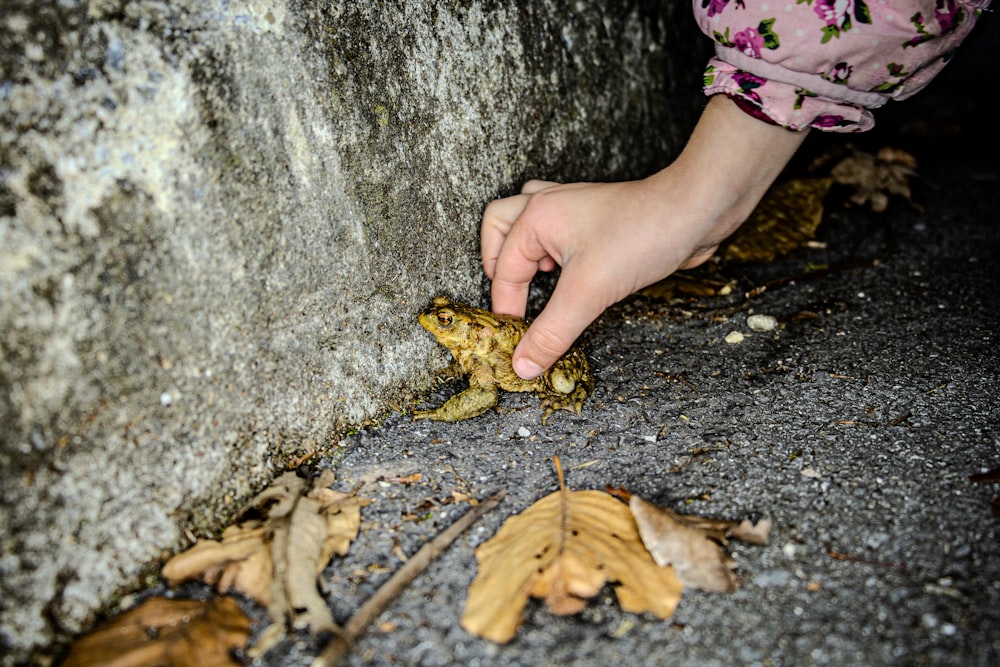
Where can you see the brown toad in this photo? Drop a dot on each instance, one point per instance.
(482, 343)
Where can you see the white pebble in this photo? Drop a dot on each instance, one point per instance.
(734, 337)
(762, 323)
(523, 432)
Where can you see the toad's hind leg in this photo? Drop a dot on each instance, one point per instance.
(566, 386)
(475, 400)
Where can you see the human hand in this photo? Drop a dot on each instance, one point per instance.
(612, 239)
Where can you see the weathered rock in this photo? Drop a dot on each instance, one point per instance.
(217, 221)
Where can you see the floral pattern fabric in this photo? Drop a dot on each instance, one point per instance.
(828, 63)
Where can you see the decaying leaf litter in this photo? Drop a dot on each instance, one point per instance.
(724, 569)
(568, 545)
(275, 556)
(564, 548)
(161, 631)
(276, 553)
(789, 216)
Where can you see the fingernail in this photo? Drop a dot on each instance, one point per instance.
(527, 369)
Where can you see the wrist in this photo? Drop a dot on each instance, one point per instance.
(731, 160)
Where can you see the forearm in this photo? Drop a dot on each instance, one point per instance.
(726, 167)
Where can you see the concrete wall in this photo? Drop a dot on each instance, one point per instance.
(219, 217)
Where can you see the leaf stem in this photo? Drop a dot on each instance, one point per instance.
(373, 607)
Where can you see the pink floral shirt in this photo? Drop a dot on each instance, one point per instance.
(827, 63)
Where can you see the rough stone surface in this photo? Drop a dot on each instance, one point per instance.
(217, 219)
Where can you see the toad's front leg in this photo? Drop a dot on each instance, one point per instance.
(475, 400)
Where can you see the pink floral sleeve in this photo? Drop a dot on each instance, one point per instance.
(827, 63)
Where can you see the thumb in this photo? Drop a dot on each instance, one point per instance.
(554, 331)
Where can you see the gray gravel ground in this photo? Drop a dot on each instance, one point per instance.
(854, 426)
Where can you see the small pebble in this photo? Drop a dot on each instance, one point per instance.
(734, 337)
(772, 578)
(762, 323)
(523, 432)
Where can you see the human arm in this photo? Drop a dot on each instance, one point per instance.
(827, 64)
(823, 64)
(612, 239)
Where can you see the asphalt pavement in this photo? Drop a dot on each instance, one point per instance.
(854, 425)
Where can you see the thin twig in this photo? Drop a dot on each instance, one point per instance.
(373, 607)
(677, 377)
(851, 558)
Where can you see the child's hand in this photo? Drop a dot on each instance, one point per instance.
(612, 239)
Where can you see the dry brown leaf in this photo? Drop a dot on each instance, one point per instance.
(875, 177)
(160, 631)
(277, 560)
(564, 548)
(790, 212)
(241, 561)
(785, 219)
(691, 544)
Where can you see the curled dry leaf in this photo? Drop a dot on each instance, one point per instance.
(241, 561)
(160, 631)
(875, 177)
(691, 544)
(564, 548)
(276, 557)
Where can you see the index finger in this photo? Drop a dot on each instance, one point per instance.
(578, 300)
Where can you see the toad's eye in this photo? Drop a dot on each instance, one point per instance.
(445, 318)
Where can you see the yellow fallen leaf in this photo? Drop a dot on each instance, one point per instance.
(564, 548)
(785, 219)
